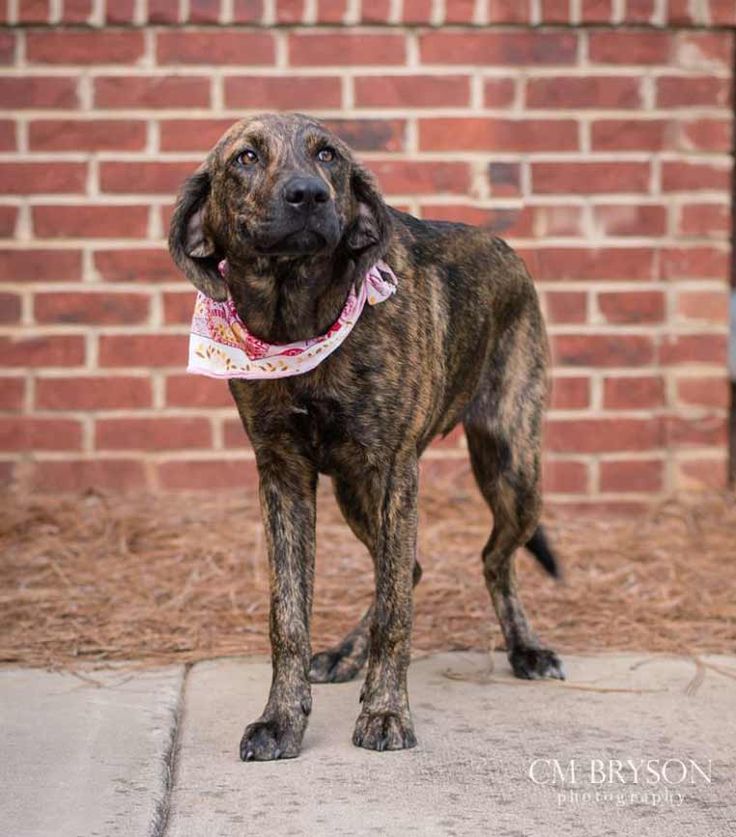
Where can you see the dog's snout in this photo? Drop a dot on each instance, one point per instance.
(302, 192)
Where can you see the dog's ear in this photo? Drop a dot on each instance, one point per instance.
(368, 234)
(190, 244)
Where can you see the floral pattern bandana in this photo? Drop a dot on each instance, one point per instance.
(220, 345)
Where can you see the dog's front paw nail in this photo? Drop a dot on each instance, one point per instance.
(532, 663)
(384, 731)
(267, 741)
(332, 667)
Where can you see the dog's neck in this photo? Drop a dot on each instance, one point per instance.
(283, 300)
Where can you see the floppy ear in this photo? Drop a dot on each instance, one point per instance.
(190, 244)
(368, 235)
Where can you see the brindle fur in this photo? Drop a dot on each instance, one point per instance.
(461, 341)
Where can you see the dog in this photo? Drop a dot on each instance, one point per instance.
(299, 224)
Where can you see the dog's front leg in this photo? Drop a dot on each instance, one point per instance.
(385, 720)
(287, 492)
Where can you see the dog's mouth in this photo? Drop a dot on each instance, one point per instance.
(303, 242)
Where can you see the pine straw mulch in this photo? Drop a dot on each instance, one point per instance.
(157, 579)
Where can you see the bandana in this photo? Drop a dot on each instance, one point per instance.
(220, 345)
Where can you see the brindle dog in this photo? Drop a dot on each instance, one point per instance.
(462, 340)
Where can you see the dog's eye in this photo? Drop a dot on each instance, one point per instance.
(326, 155)
(248, 157)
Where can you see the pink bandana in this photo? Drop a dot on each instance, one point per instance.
(220, 345)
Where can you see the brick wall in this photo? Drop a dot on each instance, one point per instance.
(594, 135)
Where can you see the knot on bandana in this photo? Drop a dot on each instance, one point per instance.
(220, 345)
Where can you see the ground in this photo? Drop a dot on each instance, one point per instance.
(180, 578)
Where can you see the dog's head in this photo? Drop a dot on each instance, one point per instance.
(276, 186)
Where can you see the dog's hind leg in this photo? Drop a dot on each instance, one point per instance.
(502, 425)
(345, 660)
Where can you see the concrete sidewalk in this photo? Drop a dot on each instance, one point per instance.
(155, 753)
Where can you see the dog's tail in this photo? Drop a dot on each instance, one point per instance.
(539, 547)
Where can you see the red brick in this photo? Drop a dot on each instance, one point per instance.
(178, 307)
(707, 135)
(143, 350)
(8, 140)
(93, 393)
(499, 92)
(215, 46)
(693, 348)
(197, 391)
(504, 179)
(448, 134)
(42, 351)
(333, 11)
(142, 265)
(40, 265)
(370, 134)
(632, 475)
(570, 393)
(33, 11)
(632, 307)
(80, 475)
(627, 219)
(32, 434)
(566, 306)
(152, 434)
(7, 47)
(590, 178)
(600, 435)
(555, 11)
(706, 50)
(702, 431)
(421, 178)
(639, 11)
(164, 11)
(706, 306)
(318, 49)
(506, 48)
(76, 11)
(146, 178)
(202, 475)
(120, 11)
(709, 220)
(634, 134)
(574, 263)
(698, 474)
(459, 11)
(513, 221)
(204, 11)
(87, 135)
(694, 177)
(633, 393)
(694, 262)
(247, 11)
(289, 11)
(42, 178)
(415, 91)
(38, 92)
(93, 308)
(9, 308)
(191, 134)
(12, 393)
(690, 91)
(90, 221)
(622, 47)
(283, 92)
(92, 47)
(722, 13)
(507, 11)
(707, 391)
(8, 220)
(597, 11)
(602, 350)
(233, 434)
(574, 92)
(414, 11)
(159, 92)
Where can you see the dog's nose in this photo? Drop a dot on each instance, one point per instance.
(301, 192)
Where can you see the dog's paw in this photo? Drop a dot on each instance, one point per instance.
(269, 740)
(333, 667)
(384, 731)
(532, 663)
